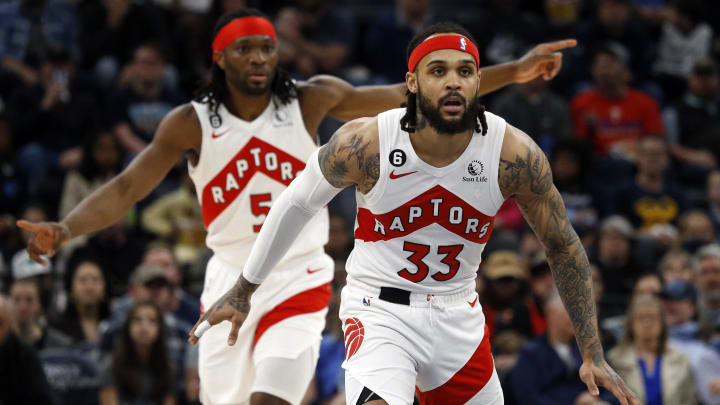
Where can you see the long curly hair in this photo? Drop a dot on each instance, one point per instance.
(408, 122)
(216, 91)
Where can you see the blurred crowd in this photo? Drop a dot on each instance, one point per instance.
(631, 127)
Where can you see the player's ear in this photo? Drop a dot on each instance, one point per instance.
(220, 59)
(411, 81)
(479, 73)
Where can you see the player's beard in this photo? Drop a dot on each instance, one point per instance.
(242, 83)
(467, 121)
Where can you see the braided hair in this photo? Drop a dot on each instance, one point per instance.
(408, 122)
(216, 91)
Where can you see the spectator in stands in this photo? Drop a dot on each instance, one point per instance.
(506, 285)
(28, 317)
(693, 121)
(707, 280)
(139, 370)
(695, 230)
(676, 265)
(617, 265)
(649, 199)
(614, 22)
(546, 372)
(654, 370)
(88, 303)
(314, 38)
(679, 301)
(148, 283)
(537, 110)
(145, 98)
(570, 162)
(121, 249)
(102, 159)
(184, 306)
(12, 191)
(389, 34)
(112, 30)
(505, 348)
(685, 38)
(340, 241)
(528, 317)
(177, 215)
(22, 379)
(613, 116)
(648, 284)
(713, 199)
(27, 28)
(50, 119)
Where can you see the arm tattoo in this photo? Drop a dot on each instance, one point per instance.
(530, 180)
(347, 160)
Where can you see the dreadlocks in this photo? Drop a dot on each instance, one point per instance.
(216, 91)
(408, 122)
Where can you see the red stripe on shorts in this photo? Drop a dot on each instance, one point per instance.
(305, 302)
(467, 382)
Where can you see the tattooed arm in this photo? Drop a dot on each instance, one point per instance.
(350, 158)
(524, 174)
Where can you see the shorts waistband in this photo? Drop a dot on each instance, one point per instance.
(404, 297)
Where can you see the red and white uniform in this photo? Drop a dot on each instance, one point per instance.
(422, 229)
(243, 167)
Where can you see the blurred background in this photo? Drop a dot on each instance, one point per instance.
(631, 127)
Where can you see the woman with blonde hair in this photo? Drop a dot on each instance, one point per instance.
(657, 373)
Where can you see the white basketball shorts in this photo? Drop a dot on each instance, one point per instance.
(436, 347)
(286, 319)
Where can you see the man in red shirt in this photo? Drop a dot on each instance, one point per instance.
(613, 116)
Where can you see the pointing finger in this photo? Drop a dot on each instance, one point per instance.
(28, 226)
(35, 256)
(558, 45)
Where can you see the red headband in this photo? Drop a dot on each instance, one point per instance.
(241, 27)
(457, 42)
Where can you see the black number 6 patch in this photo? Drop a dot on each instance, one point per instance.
(397, 158)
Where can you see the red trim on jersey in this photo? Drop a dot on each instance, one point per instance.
(454, 41)
(211, 209)
(367, 220)
(467, 382)
(306, 302)
(241, 27)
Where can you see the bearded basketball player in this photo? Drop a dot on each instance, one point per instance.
(247, 136)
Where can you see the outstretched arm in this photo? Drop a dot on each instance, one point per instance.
(107, 204)
(348, 102)
(524, 173)
(350, 158)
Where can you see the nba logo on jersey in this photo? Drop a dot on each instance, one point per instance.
(463, 43)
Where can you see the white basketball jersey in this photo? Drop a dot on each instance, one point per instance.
(422, 228)
(243, 168)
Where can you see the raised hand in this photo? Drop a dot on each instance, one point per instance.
(594, 373)
(233, 306)
(543, 60)
(46, 238)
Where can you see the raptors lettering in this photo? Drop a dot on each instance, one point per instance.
(256, 157)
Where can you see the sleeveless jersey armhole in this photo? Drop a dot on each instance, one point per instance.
(498, 136)
(384, 134)
(201, 111)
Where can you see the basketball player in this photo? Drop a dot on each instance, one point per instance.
(246, 137)
(429, 179)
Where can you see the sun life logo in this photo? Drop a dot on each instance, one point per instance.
(475, 169)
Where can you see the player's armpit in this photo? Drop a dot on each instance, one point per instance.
(524, 173)
(352, 157)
